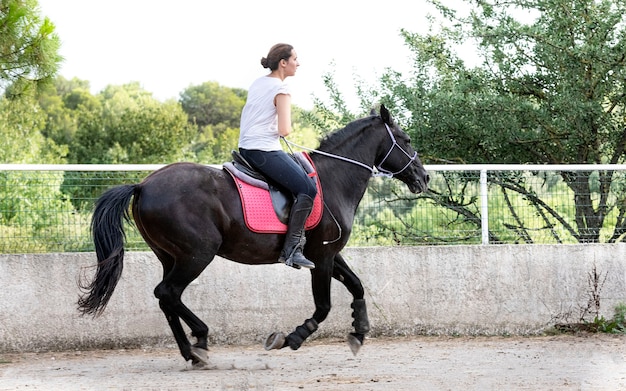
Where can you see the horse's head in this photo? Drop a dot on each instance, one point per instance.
(398, 158)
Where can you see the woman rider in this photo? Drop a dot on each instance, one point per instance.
(266, 117)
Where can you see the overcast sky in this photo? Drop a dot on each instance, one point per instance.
(168, 46)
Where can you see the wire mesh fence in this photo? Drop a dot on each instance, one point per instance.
(492, 204)
(48, 208)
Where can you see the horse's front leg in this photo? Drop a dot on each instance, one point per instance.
(351, 281)
(320, 279)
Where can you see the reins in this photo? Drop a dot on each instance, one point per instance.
(377, 170)
(345, 159)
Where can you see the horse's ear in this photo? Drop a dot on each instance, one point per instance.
(373, 111)
(384, 114)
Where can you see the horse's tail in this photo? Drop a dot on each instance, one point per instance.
(107, 227)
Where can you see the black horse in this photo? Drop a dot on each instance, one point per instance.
(189, 213)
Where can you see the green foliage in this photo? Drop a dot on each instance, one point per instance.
(47, 207)
(122, 124)
(157, 133)
(616, 325)
(325, 119)
(67, 123)
(28, 47)
(36, 215)
(215, 111)
(20, 136)
(63, 102)
(547, 89)
(212, 104)
(214, 144)
(28, 61)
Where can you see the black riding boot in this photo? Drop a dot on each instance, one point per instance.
(291, 255)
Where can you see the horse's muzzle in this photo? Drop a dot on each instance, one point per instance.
(420, 184)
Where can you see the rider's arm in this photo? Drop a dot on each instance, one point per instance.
(283, 109)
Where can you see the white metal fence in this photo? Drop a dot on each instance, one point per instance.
(47, 208)
(615, 194)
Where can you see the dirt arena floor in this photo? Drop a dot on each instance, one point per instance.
(562, 362)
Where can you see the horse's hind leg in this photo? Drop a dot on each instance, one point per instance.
(361, 324)
(177, 275)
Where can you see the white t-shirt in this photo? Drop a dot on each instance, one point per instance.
(259, 119)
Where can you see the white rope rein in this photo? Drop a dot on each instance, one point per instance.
(376, 171)
(345, 159)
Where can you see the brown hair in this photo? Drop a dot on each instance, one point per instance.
(280, 51)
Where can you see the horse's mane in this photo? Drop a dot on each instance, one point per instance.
(340, 136)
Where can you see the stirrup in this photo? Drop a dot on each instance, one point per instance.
(289, 262)
(300, 260)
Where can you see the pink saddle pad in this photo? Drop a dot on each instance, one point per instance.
(259, 213)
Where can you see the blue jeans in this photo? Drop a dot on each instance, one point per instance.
(281, 169)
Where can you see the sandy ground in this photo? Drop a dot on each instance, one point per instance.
(562, 362)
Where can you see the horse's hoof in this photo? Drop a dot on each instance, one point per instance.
(354, 343)
(200, 358)
(275, 341)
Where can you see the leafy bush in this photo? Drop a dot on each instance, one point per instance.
(616, 325)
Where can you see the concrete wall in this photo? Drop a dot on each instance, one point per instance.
(518, 289)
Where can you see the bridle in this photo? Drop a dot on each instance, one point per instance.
(394, 143)
(377, 170)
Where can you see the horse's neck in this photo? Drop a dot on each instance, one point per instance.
(348, 180)
(343, 183)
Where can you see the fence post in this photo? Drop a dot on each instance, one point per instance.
(484, 207)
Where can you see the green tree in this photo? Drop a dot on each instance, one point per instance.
(122, 124)
(326, 118)
(20, 136)
(62, 103)
(549, 88)
(155, 133)
(28, 58)
(211, 104)
(28, 47)
(215, 111)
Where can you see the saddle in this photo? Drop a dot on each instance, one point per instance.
(266, 206)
